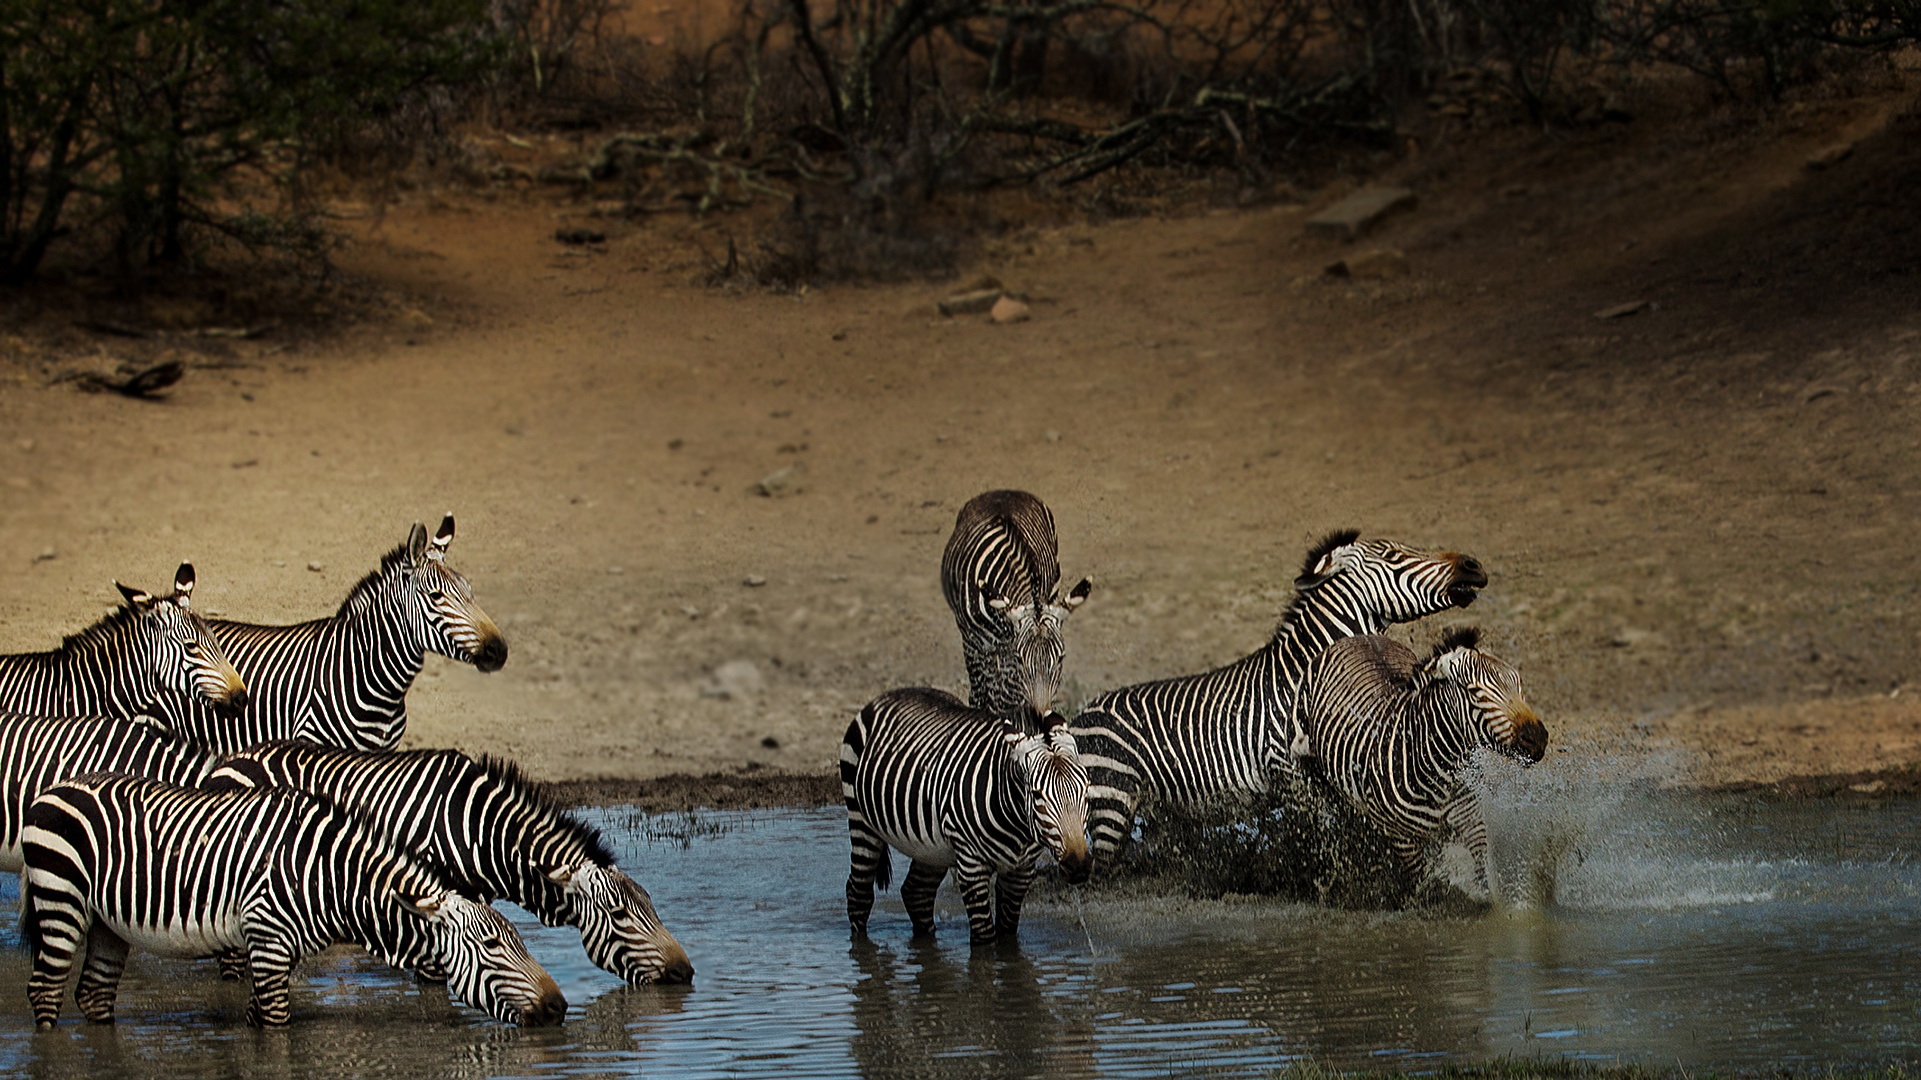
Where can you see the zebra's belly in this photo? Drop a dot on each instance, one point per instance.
(931, 851)
(216, 933)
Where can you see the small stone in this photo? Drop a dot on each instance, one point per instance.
(46, 555)
(770, 743)
(416, 319)
(26, 446)
(1632, 307)
(1829, 156)
(970, 303)
(781, 482)
(578, 236)
(675, 444)
(316, 567)
(734, 679)
(1869, 788)
(1376, 265)
(1008, 310)
(1051, 435)
(1360, 211)
(753, 581)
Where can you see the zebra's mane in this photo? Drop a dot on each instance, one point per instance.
(110, 625)
(1458, 637)
(1340, 538)
(362, 594)
(542, 798)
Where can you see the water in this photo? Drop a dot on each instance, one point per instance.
(1707, 935)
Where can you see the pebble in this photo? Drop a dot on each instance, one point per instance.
(1632, 307)
(734, 679)
(1360, 211)
(1008, 310)
(970, 303)
(781, 482)
(1376, 265)
(316, 567)
(753, 581)
(1829, 156)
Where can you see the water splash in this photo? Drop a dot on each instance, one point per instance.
(1081, 914)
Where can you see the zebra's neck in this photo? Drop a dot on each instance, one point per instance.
(87, 677)
(1424, 744)
(368, 663)
(1316, 620)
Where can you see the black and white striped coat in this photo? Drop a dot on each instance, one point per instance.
(490, 832)
(1223, 733)
(951, 787)
(343, 681)
(148, 652)
(1001, 575)
(1392, 734)
(115, 862)
(39, 752)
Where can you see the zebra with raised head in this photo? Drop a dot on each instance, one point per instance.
(1001, 575)
(1223, 733)
(343, 681)
(952, 787)
(38, 752)
(150, 650)
(1392, 734)
(491, 833)
(115, 861)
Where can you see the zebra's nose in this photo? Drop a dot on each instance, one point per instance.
(235, 701)
(1469, 571)
(548, 1011)
(492, 654)
(679, 971)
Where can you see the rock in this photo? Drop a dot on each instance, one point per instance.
(1632, 307)
(1008, 310)
(316, 567)
(733, 680)
(781, 481)
(416, 319)
(1376, 265)
(970, 303)
(753, 581)
(770, 743)
(1829, 156)
(1360, 211)
(1870, 788)
(46, 555)
(578, 236)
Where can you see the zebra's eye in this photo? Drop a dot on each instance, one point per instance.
(617, 913)
(492, 942)
(436, 595)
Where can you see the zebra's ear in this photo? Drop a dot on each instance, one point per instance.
(183, 584)
(559, 875)
(437, 547)
(1077, 595)
(417, 544)
(137, 599)
(425, 905)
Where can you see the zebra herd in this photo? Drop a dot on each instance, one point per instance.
(982, 788)
(207, 788)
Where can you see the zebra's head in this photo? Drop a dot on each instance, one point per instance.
(441, 602)
(487, 965)
(1387, 580)
(619, 928)
(1031, 663)
(1498, 716)
(179, 650)
(1057, 785)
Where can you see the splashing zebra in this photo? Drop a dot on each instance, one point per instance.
(1392, 734)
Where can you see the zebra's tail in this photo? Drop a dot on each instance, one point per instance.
(29, 926)
(884, 869)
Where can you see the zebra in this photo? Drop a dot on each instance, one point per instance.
(951, 786)
(1392, 736)
(490, 832)
(343, 681)
(38, 752)
(119, 861)
(145, 652)
(1001, 575)
(1223, 733)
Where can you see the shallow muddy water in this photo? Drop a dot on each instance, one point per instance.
(1706, 935)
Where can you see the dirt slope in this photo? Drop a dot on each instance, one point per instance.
(1697, 517)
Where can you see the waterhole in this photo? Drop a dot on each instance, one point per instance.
(1667, 932)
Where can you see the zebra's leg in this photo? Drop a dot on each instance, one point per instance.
(56, 935)
(1463, 814)
(868, 863)
(270, 962)
(100, 974)
(975, 879)
(1113, 785)
(917, 892)
(1010, 892)
(233, 965)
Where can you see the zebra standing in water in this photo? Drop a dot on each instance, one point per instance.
(953, 787)
(115, 861)
(490, 832)
(343, 681)
(38, 752)
(1195, 738)
(1393, 735)
(1001, 575)
(149, 651)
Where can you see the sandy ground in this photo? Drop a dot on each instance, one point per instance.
(1698, 518)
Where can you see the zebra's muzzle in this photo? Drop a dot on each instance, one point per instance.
(492, 654)
(550, 1010)
(1469, 578)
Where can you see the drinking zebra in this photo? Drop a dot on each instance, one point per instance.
(490, 832)
(1195, 738)
(343, 681)
(952, 787)
(38, 752)
(116, 861)
(150, 650)
(1001, 575)
(1393, 734)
